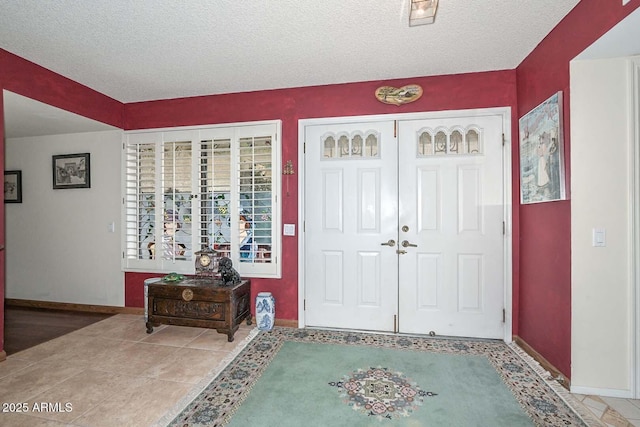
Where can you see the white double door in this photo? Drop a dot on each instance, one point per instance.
(404, 226)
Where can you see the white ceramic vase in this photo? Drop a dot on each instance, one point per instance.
(265, 311)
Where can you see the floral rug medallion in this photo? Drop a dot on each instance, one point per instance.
(381, 393)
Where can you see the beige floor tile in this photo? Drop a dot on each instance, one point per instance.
(24, 420)
(595, 405)
(85, 391)
(91, 351)
(613, 418)
(13, 365)
(597, 412)
(187, 365)
(113, 323)
(602, 408)
(623, 406)
(42, 351)
(241, 334)
(177, 336)
(34, 380)
(133, 358)
(131, 331)
(210, 339)
(139, 406)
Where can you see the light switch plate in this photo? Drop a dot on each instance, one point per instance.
(599, 237)
(289, 230)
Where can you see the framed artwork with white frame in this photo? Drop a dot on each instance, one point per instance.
(542, 177)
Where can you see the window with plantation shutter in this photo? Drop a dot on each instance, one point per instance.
(208, 187)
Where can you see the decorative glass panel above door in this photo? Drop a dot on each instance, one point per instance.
(446, 142)
(357, 145)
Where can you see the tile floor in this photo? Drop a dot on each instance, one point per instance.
(113, 373)
(110, 373)
(612, 411)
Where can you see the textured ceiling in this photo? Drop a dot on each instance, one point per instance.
(157, 49)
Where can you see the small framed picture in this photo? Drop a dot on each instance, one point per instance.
(71, 171)
(13, 186)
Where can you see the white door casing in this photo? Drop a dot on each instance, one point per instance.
(413, 313)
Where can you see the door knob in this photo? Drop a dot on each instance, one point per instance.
(391, 243)
(407, 244)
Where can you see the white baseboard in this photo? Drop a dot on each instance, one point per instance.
(608, 392)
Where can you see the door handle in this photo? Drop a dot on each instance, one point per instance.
(407, 244)
(391, 243)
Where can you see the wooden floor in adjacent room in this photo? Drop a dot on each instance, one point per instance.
(25, 327)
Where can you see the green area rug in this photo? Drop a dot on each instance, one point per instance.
(305, 377)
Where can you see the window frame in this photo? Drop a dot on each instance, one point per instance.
(196, 135)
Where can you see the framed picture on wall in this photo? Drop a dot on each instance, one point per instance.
(542, 176)
(13, 186)
(71, 171)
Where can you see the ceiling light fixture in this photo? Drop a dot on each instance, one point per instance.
(422, 12)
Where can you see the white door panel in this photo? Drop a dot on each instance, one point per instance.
(351, 208)
(451, 203)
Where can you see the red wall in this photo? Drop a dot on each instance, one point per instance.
(453, 92)
(33, 81)
(545, 229)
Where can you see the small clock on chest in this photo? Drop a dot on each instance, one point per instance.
(206, 262)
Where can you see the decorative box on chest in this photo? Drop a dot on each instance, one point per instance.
(199, 302)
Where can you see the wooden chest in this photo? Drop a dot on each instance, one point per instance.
(199, 302)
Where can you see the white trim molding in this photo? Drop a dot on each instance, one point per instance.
(634, 137)
(594, 391)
